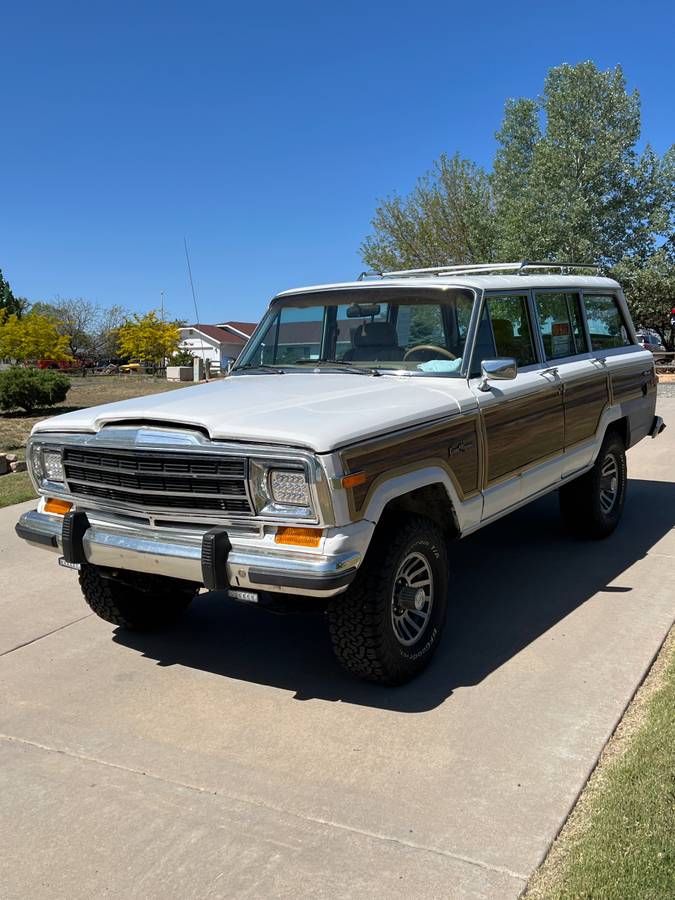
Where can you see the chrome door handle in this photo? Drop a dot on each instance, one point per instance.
(552, 370)
(599, 362)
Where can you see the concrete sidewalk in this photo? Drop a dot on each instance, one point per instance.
(232, 757)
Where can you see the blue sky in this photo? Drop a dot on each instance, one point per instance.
(264, 132)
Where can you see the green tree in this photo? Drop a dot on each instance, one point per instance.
(148, 338)
(568, 183)
(31, 337)
(449, 217)
(650, 291)
(579, 189)
(182, 358)
(9, 304)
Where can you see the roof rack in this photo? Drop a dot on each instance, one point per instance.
(480, 269)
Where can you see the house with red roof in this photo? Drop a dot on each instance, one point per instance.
(221, 344)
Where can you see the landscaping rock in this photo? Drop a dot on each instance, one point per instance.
(18, 465)
(11, 457)
(4, 465)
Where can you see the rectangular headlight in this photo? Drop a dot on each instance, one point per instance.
(52, 465)
(289, 487)
(278, 492)
(45, 463)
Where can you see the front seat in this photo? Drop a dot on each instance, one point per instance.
(377, 341)
(507, 343)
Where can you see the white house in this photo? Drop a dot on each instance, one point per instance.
(218, 343)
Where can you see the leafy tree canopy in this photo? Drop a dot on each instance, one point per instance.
(650, 291)
(9, 304)
(568, 182)
(568, 179)
(448, 216)
(31, 337)
(148, 338)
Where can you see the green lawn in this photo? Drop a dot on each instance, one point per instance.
(15, 427)
(15, 488)
(619, 843)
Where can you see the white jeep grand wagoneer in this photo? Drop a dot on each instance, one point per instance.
(364, 426)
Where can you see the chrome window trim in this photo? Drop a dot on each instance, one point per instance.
(426, 293)
(537, 346)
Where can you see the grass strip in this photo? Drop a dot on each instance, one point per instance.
(619, 841)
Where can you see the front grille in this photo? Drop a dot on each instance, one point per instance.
(150, 479)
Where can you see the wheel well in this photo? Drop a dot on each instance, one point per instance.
(431, 501)
(622, 428)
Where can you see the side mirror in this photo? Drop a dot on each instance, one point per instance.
(497, 370)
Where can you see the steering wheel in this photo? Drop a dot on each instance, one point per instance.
(431, 348)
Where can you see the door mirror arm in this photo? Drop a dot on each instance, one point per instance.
(497, 370)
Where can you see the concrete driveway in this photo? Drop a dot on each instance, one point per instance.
(231, 757)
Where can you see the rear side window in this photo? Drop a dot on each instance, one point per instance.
(606, 324)
(561, 324)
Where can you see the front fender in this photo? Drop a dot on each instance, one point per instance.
(390, 487)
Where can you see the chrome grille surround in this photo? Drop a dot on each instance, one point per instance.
(152, 479)
(167, 453)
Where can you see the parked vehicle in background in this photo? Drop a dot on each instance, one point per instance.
(649, 340)
(364, 426)
(66, 365)
(134, 367)
(58, 364)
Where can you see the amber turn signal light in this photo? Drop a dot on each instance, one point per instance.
(350, 481)
(300, 537)
(59, 507)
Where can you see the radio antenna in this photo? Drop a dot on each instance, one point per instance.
(194, 300)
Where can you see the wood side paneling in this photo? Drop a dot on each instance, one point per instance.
(585, 402)
(453, 444)
(630, 385)
(520, 432)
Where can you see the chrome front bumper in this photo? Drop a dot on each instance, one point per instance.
(179, 555)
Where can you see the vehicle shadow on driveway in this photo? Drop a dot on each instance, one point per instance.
(511, 582)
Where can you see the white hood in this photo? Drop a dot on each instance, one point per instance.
(320, 411)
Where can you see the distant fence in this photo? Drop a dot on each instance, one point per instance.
(665, 362)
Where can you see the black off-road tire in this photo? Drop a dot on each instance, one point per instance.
(138, 602)
(361, 621)
(581, 501)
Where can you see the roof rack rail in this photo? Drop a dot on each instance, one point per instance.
(480, 269)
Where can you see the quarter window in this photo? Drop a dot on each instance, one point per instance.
(606, 326)
(561, 324)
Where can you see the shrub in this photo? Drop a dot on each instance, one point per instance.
(182, 358)
(31, 389)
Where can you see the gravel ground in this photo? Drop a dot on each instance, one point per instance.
(667, 390)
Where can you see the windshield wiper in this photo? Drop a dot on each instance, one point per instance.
(258, 367)
(327, 364)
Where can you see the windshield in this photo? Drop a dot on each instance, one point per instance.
(418, 334)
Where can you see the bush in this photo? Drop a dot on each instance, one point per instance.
(182, 358)
(31, 389)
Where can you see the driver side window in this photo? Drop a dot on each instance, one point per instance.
(504, 332)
